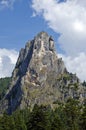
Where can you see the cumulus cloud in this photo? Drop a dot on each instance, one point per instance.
(8, 59)
(76, 64)
(67, 18)
(6, 3)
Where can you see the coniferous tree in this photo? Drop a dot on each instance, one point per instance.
(72, 114)
(38, 119)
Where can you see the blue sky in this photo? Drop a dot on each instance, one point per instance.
(17, 25)
(65, 20)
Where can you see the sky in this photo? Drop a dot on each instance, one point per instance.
(65, 20)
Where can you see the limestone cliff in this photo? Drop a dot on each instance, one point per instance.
(40, 77)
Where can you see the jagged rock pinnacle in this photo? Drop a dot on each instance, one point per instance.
(35, 72)
(36, 66)
(44, 42)
(34, 79)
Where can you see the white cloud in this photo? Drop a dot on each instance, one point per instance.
(6, 3)
(8, 60)
(67, 18)
(76, 64)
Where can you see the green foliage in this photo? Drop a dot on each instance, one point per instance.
(84, 83)
(57, 120)
(76, 86)
(68, 116)
(38, 119)
(19, 120)
(4, 85)
(64, 77)
(83, 118)
(7, 123)
(72, 114)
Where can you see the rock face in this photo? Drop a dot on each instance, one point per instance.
(40, 77)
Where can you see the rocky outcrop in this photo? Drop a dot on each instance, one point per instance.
(39, 77)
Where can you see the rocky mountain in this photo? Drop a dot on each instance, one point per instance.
(40, 77)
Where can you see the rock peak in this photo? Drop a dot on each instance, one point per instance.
(35, 73)
(42, 34)
(44, 42)
(40, 77)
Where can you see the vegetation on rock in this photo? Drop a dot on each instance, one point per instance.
(4, 85)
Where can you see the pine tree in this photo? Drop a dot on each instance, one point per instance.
(38, 119)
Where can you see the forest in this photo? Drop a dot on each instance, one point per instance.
(66, 116)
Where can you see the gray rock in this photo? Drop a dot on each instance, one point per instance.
(39, 77)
